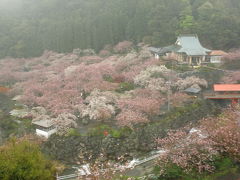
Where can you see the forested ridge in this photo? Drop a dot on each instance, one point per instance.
(29, 27)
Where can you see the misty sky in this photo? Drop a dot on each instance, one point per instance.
(9, 4)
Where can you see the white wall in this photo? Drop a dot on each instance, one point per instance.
(45, 134)
(156, 56)
(216, 59)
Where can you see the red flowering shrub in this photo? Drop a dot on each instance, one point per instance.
(4, 89)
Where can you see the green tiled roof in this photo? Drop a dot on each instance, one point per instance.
(191, 46)
(188, 44)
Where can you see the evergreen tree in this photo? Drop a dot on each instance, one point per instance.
(23, 160)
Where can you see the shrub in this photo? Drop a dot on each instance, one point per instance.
(116, 133)
(73, 132)
(232, 65)
(125, 86)
(129, 117)
(107, 77)
(23, 160)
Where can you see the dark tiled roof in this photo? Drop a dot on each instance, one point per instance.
(154, 50)
(192, 90)
(167, 49)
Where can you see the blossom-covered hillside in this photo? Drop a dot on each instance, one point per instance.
(123, 85)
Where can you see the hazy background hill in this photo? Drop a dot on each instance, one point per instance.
(28, 27)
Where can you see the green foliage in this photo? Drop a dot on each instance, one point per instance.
(23, 160)
(99, 130)
(224, 165)
(211, 65)
(108, 78)
(172, 171)
(8, 125)
(73, 132)
(65, 25)
(187, 24)
(125, 86)
(180, 116)
(213, 76)
(178, 67)
(116, 133)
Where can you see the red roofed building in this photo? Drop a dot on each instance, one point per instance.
(226, 91)
(216, 56)
(226, 87)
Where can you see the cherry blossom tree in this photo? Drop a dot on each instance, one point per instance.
(104, 53)
(196, 149)
(231, 77)
(128, 117)
(154, 77)
(189, 151)
(150, 106)
(178, 99)
(224, 131)
(66, 83)
(232, 56)
(189, 81)
(64, 122)
(100, 106)
(123, 47)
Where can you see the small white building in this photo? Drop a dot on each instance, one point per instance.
(45, 128)
(216, 56)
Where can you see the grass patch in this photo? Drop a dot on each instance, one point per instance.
(73, 132)
(125, 86)
(104, 130)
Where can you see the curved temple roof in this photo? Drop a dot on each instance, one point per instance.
(188, 44)
(191, 45)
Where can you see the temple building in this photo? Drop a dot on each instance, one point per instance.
(188, 50)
